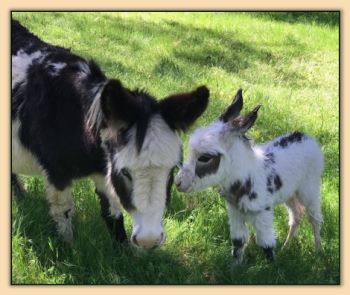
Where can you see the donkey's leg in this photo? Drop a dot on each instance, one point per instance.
(18, 187)
(111, 210)
(296, 212)
(61, 210)
(115, 222)
(265, 234)
(238, 231)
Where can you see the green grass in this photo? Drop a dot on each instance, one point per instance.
(288, 62)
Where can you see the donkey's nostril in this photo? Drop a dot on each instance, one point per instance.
(148, 242)
(162, 238)
(177, 182)
(134, 240)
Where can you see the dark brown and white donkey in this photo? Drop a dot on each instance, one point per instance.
(70, 121)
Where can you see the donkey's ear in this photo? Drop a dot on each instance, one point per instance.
(117, 104)
(242, 124)
(234, 109)
(181, 110)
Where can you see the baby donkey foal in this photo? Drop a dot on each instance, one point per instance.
(254, 179)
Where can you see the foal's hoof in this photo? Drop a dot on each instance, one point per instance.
(236, 263)
(270, 254)
(319, 250)
(237, 255)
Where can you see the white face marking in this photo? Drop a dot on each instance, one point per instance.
(206, 140)
(20, 64)
(23, 161)
(149, 171)
(218, 138)
(161, 148)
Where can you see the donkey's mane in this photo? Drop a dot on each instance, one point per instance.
(148, 106)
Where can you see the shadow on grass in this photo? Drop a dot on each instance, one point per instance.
(94, 257)
(330, 18)
(189, 44)
(210, 48)
(291, 267)
(201, 48)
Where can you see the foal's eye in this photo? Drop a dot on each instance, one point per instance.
(204, 158)
(126, 173)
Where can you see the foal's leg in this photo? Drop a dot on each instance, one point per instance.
(265, 234)
(61, 210)
(238, 231)
(296, 212)
(310, 197)
(111, 210)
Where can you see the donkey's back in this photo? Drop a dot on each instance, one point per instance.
(52, 90)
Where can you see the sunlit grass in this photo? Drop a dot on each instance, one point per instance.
(291, 67)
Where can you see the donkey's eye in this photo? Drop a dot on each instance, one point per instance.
(204, 158)
(126, 173)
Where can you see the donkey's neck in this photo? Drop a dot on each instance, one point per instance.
(245, 162)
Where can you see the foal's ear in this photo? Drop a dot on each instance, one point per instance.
(242, 124)
(234, 109)
(181, 110)
(117, 104)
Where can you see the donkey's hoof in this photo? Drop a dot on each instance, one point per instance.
(19, 191)
(122, 238)
(68, 237)
(66, 234)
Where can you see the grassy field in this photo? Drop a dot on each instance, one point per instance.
(287, 62)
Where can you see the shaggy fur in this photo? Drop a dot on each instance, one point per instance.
(254, 179)
(70, 121)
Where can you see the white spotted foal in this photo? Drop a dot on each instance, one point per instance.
(254, 178)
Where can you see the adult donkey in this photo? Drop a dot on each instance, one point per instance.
(70, 121)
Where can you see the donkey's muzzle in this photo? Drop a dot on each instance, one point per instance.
(147, 242)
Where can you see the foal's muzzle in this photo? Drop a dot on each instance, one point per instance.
(183, 180)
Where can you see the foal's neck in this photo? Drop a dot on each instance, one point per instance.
(245, 162)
